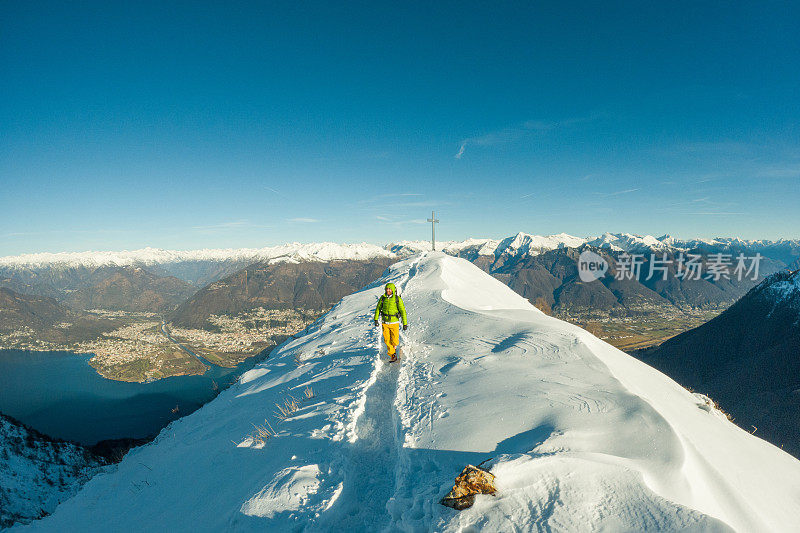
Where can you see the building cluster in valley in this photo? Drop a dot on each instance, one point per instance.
(142, 350)
(25, 338)
(245, 333)
(650, 326)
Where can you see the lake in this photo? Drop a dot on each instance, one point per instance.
(59, 394)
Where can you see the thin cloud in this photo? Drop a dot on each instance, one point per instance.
(303, 220)
(401, 223)
(94, 231)
(718, 147)
(383, 197)
(228, 226)
(381, 202)
(502, 136)
(717, 213)
(224, 225)
(270, 189)
(22, 233)
(705, 202)
(618, 193)
(537, 196)
(512, 133)
(430, 203)
(782, 171)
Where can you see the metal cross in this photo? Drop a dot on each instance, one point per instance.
(433, 222)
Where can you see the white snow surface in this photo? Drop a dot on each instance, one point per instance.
(581, 436)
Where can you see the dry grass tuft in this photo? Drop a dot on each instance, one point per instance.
(709, 403)
(716, 406)
(263, 433)
(290, 406)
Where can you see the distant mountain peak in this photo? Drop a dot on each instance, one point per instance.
(627, 242)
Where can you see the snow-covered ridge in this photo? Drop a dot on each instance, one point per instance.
(325, 251)
(579, 435)
(478, 246)
(783, 286)
(630, 243)
(37, 473)
(515, 246)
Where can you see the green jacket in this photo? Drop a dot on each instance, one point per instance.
(391, 308)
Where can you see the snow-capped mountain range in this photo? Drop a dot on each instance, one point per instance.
(521, 244)
(579, 435)
(296, 252)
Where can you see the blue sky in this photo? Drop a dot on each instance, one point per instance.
(189, 124)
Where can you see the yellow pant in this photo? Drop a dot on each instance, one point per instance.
(391, 336)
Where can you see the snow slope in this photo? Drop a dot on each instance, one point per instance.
(36, 472)
(580, 435)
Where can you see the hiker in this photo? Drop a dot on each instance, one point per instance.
(391, 310)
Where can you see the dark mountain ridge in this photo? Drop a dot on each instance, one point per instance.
(747, 359)
(47, 320)
(132, 289)
(552, 278)
(119, 288)
(310, 285)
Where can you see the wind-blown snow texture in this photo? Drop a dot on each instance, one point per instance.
(580, 435)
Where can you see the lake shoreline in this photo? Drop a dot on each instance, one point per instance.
(61, 395)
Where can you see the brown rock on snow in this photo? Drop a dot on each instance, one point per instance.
(470, 482)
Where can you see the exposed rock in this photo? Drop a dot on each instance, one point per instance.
(469, 483)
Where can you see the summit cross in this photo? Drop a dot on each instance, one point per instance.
(433, 222)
